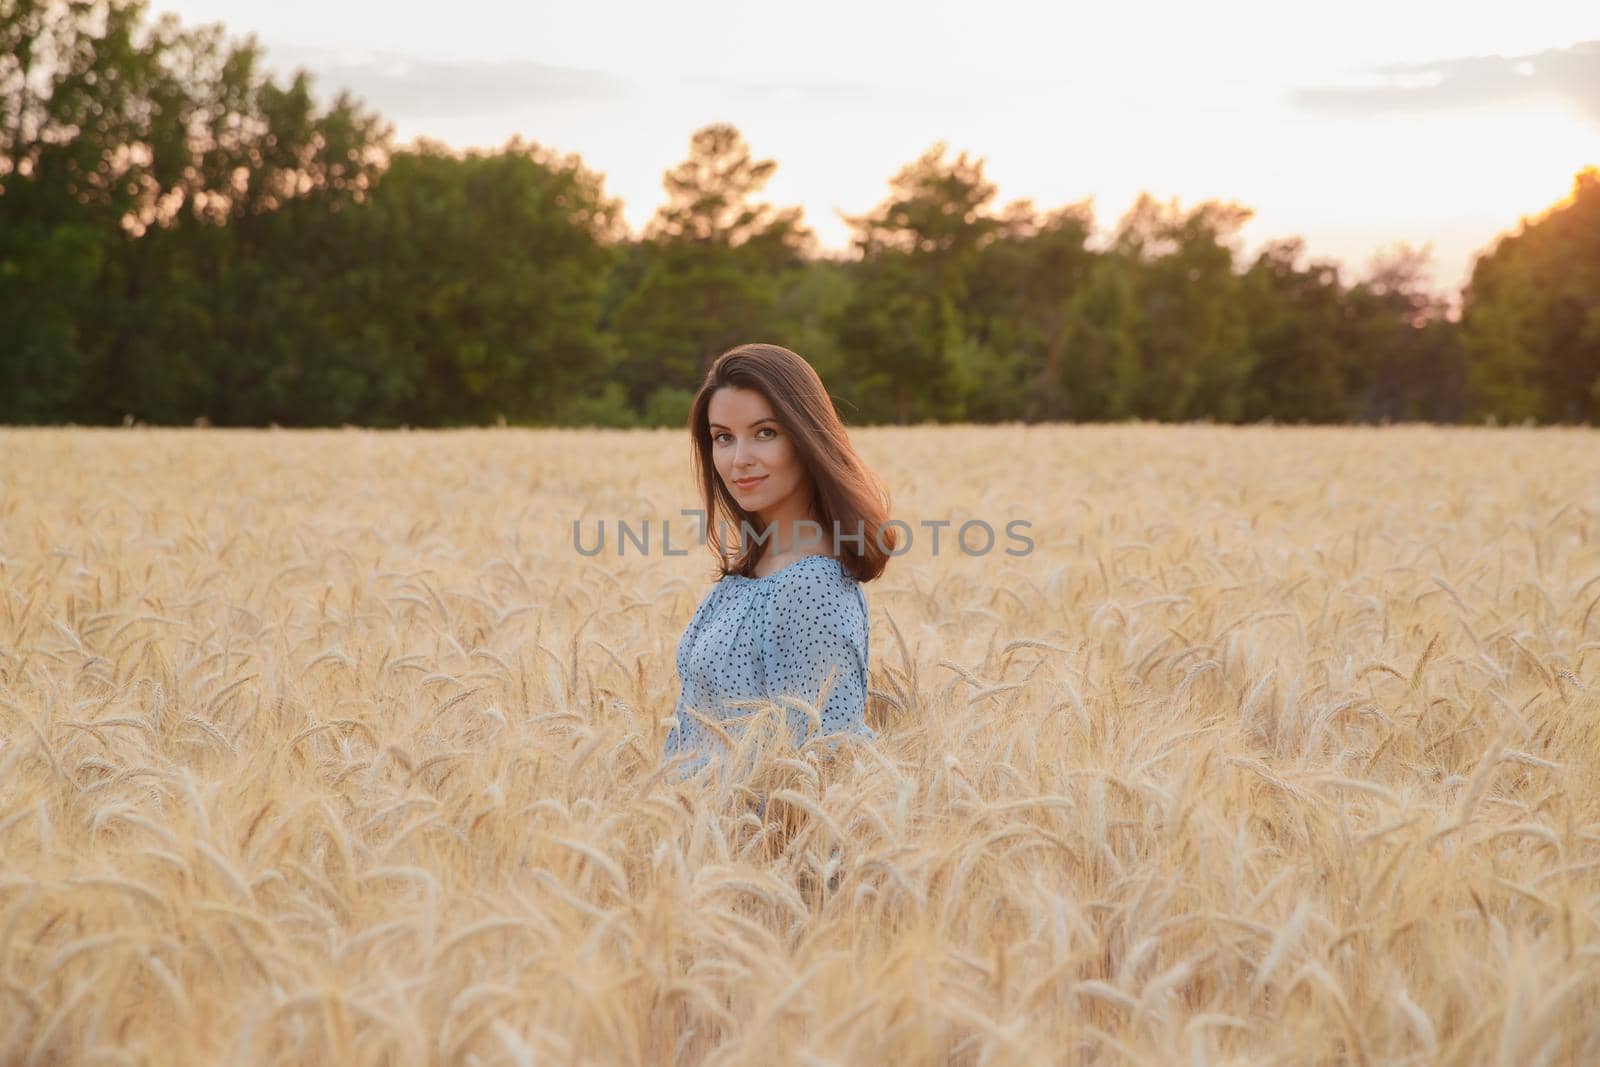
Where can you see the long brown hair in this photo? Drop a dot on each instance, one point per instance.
(848, 497)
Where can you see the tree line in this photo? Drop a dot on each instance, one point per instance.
(185, 236)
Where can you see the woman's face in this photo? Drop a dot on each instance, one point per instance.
(756, 458)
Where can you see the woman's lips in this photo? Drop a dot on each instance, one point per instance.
(749, 483)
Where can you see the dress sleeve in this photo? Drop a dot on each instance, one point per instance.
(686, 639)
(686, 731)
(817, 652)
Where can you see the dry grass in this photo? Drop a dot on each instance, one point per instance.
(1282, 747)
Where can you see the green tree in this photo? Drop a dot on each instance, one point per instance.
(1020, 293)
(713, 266)
(1404, 357)
(1531, 315)
(88, 139)
(808, 300)
(115, 127)
(233, 304)
(1101, 373)
(905, 332)
(1194, 341)
(1294, 317)
(489, 272)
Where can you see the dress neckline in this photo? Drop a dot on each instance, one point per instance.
(785, 567)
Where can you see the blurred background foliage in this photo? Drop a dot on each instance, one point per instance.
(185, 236)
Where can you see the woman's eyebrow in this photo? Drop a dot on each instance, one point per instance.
(758, 422)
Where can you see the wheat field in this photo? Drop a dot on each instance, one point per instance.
(1282, 746)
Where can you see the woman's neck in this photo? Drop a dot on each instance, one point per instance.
(790, 533)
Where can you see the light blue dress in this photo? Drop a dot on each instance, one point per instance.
(780, 635)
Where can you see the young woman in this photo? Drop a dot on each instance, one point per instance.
(786, 620)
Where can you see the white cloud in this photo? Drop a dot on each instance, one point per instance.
(1566, 75)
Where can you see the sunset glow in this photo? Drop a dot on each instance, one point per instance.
(1356, 128)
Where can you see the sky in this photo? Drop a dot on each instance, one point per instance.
(1356, 126)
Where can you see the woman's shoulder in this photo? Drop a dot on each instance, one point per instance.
(812, 570)
(813, 586)
(712, 594)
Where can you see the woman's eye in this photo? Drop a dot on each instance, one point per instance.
(716, 438)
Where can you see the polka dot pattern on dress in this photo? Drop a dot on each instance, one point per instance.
(800, 632)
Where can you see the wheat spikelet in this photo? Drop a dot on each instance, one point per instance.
(1204, 779)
